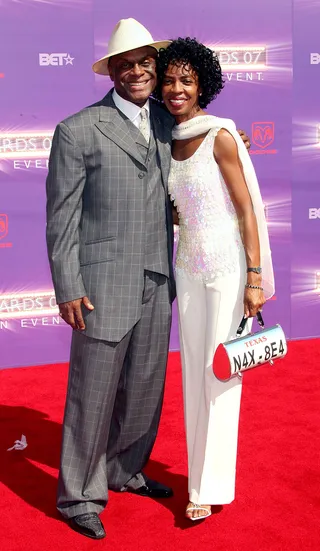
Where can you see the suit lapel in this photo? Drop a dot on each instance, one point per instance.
(114, 125)
(163, 138)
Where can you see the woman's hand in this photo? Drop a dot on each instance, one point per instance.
(253, 301)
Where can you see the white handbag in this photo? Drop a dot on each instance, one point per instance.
(240, 354)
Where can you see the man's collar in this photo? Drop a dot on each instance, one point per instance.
(129, 109)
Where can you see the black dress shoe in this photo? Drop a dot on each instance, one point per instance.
(88, 524)
(151, 488)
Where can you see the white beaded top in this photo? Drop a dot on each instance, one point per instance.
(209, 237)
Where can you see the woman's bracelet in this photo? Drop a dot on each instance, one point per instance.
(249, 286)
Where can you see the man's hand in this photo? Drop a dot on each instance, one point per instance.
(71, 312)
(245, 138)
(175, 215)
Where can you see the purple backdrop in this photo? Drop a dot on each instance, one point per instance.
(48, 76)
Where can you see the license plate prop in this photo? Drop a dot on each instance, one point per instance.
(236, 356)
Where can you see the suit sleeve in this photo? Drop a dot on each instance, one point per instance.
(65, 185)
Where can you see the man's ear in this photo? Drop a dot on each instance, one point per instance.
(111, 74)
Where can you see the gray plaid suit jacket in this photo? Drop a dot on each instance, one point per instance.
(96, 189)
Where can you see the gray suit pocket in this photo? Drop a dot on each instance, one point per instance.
(101, 240)
(100, 250)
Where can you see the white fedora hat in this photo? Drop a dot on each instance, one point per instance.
(127, 35)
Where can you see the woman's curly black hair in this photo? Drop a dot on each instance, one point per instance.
(201, 59)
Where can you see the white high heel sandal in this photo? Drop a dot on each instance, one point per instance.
(195, 507)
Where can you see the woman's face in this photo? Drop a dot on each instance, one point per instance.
(180, 91)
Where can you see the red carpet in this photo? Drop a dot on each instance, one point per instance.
(277, 506)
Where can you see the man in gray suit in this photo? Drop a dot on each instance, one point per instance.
(110, 242)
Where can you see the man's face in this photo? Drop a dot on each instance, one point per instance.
(134, 74)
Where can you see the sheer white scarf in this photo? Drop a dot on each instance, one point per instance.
(201, 125)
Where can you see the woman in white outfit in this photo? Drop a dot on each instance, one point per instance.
(223, 263)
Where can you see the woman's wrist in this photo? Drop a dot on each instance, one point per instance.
(254, 269)
(250, 286)
(254, 279)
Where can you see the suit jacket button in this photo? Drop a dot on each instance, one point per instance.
(141, 175)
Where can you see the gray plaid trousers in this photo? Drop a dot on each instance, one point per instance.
(114, 402)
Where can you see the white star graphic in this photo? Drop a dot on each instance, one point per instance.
(69, 60)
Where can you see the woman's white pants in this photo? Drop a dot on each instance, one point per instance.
(209, 314)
